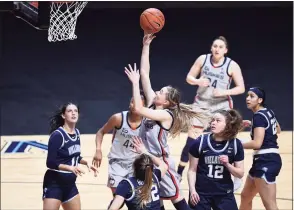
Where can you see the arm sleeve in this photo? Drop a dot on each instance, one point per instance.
(259, 121)
(157, 173)
(240, 151)
(55, 142)
(124, 189)
(194, 149)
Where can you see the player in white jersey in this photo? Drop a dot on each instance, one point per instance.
(120, 158)
(216, 72)
(165, 115)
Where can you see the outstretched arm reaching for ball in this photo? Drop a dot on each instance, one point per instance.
(145, 69)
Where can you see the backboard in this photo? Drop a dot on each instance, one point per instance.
(33, 12)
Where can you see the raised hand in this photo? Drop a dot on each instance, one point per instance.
(147, 39)
(133, 73)
(138, 144)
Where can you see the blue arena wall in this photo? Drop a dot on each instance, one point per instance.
(37, 76)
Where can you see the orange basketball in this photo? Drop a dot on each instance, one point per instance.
(152, 20)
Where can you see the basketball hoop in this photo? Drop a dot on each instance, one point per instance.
(63, 19)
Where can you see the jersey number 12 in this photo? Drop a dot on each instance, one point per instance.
(215, 171)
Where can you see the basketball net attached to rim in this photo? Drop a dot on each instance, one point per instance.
(63, 19)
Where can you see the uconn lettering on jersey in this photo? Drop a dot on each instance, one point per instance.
(212, 74)
(125, 133)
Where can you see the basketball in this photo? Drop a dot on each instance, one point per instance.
(152, 20)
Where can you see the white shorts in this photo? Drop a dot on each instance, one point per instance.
(208, 108)
(169, 184)
(117, 171)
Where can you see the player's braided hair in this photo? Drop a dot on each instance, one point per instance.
(56, 120)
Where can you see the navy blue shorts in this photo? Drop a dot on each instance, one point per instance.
(62, 193)
(216, 202)
(266, 166)
(60, 186)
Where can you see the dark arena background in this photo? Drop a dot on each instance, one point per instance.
(37, 76)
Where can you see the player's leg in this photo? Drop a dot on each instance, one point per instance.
(169, 187)
(267, 192)
(193, 133)
(180, 203)
(72, 204)
(117, 171)
(248, 193)
(51, 204)
(71, 198)
(267, 168)
(52, 196)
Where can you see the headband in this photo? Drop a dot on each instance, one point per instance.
(257, 91)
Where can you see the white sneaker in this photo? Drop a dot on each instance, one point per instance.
(237, 183)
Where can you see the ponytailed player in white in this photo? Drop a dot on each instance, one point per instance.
(165, 115)
(216, 73)
(120, 158)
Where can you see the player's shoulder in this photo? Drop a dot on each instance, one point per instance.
(233, 64)
(238, 141)
(56, 134)
(117, 116)
(259, 113)
(202, 57)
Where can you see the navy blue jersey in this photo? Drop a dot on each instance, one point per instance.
(128, 188)
(213, 178)
(63, 148)
(265, 118)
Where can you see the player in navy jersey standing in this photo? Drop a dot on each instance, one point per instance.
(63, 157)
(214, 157)
(141, 191)
(267, 161)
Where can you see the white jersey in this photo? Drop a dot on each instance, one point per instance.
(154, 137)
(122, 140)
(218, 76)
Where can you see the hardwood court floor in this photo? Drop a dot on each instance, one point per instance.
(22, 173)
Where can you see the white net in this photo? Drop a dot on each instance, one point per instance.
(63, 20)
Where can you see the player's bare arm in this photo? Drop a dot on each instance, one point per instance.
(113, 122)
(195, 71)
(145, 69)
(236, 73)
(257, 140)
